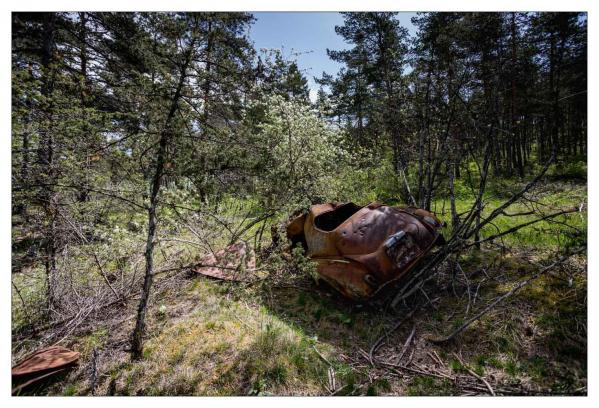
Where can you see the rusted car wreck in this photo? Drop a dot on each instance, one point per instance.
(360, 249)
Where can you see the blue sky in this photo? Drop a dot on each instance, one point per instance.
(307, 33)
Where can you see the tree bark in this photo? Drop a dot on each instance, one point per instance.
(46, 155)
(165, 138)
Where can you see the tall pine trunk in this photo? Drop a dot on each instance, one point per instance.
(46, 157)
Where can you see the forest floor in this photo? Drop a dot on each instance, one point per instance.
(209, 337)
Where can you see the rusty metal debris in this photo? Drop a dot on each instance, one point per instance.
(237, 262)
(360, 249)
(42, 364)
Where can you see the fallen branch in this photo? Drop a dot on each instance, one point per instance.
(323, 358)
(407, 344)
(475, 375)
(503, 297)
(377, 344)
(104, 276)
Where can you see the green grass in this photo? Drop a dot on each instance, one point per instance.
(210, 338)
(225, 348)
(545, 234)
(430, 386)
(69, 390)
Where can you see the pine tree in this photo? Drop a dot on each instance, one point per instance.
(370, 90)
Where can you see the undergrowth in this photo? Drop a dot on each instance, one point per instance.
(216, 338)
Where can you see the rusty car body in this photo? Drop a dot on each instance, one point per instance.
(360, 249)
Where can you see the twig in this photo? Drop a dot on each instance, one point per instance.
(523, 225)
(438, 358)
(503, 297)
(376, 345)
(23, 303)
(332, 382)
(407, 344)
(415, 370)
(104, 276)
(475, 375)
(321, 356)
(467, 287)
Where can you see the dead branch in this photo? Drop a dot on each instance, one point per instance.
(461, 235)
(95, 256)
(467, 287)
(377, 344)
(499, 210)
(501, 298)
(523, 225)
(407, 344)
(474, 374)
(104, 276)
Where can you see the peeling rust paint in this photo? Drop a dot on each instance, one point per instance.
(359, 249)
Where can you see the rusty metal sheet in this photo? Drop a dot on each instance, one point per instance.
(45, 359)
(42, 364)
(237, 262)
(359, 249)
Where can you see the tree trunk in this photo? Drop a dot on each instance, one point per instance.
(455, 220)
(46, 157)
(165, 137)
(84, 193)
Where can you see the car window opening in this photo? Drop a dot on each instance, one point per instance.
(332, 219)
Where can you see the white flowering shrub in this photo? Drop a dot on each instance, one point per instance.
(298, 158)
